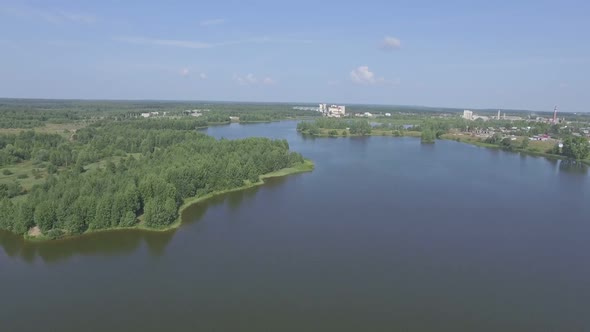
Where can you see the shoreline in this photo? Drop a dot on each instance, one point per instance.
(417, 134)
(306, 166)
(383, 133)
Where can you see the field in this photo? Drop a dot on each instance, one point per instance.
(23, 173)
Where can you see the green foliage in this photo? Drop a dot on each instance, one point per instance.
(128, 219)
(44, 216)
(507, 144)
(149, 168)
(355, 127)
(6, 172)
(333, 133)
(8, 214)
(428, 136)
(495, 139)
(54, 234)
(576, 147)
(10, 189)
(51, 169)
(22, 176)
(160, 212)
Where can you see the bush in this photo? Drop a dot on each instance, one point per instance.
(22, 176)
(55, 234)
(51, 169)
(333, 133)
(6, 172)
(36, 173)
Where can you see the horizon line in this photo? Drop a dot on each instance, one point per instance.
(284, 102)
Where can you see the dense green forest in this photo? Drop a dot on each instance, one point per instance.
(355, 127)
(32, 113)
(124, 172)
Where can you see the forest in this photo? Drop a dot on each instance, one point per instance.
(35, 113)
(121, 173)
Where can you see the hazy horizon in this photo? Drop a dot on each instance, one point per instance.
(500, 55)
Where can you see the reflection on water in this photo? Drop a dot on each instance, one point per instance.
(572, 166)
(103, 243)
(119, 242)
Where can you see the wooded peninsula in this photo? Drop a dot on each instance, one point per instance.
(111, 170)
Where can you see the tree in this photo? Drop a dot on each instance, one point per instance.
(160, 212)
(525, 143)
(128, 219)
(427, 136)
(45, 216)
(8, 214)
(576, 147)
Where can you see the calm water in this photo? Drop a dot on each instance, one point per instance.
(385, 235)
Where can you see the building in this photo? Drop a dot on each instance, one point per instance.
(145, 115)
(333, 111)
(387, 114)
(336, 111)
(467, 115)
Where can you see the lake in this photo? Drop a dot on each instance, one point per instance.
(386, 234)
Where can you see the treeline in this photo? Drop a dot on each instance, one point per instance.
(15, 148)
(573, 147)
(148, 175)
(355, 126)
(32, 113)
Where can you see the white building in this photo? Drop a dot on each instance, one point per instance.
(333, 111)
(387, 114)
(145, 115)
(467, 115)
(336, 111)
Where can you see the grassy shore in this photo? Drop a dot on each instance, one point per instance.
(324, 132)
(534, 148)
(306, 166)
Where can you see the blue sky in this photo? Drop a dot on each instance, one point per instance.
(472, 54)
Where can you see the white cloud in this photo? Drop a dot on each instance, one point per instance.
(250, 79)
(268, 81)
(362, 75)
(51, 16)
(390, 43)
(203, 76)
(214, 21)
(184, 72)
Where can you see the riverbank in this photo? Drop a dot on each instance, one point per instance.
(535, 148)
(324, 132)
(307, 166)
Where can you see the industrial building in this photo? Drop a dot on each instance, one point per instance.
(333, 111)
